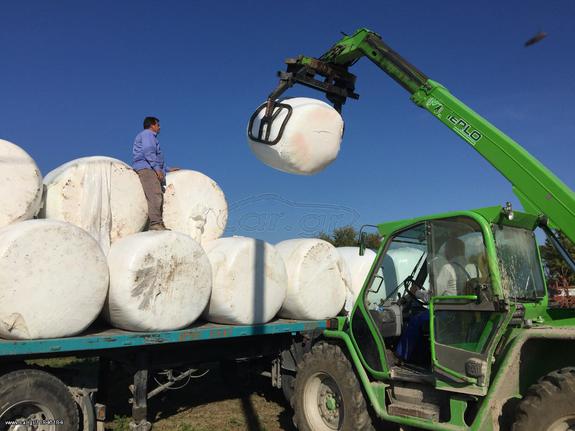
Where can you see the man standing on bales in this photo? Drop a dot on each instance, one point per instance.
(148, 162)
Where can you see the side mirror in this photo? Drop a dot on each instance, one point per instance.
(362, 240)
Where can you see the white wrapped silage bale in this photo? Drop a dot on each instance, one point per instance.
(53, 279)
(359, 267)
(250, 281)
(194, 204)
(318, 279)
(101, 195)
(159, 280)
(310, 141)
(20, 184)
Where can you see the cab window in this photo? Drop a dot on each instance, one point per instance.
(401, 262)
(521, 275)
(458, 262)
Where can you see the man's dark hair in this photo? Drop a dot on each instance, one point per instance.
(150, 121)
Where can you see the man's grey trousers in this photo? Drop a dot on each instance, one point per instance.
(154, 195)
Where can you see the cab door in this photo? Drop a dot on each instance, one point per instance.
(466, 318)
(376, 316)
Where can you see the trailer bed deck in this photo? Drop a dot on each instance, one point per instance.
(103, 338)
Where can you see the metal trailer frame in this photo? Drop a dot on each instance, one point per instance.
(143, 352)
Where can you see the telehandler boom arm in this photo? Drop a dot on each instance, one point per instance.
(538, 189)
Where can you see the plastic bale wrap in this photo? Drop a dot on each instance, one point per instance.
(102, 195)
(194, 204)
(159, 281)
(310, 141)
(250, 281)
(20, 184)
(359, 267)
(318, 279)
(53, 280)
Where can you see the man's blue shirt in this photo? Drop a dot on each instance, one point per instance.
(147, 153)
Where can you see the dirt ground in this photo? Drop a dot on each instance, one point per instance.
(211, 403)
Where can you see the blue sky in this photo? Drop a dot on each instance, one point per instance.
(78, 78)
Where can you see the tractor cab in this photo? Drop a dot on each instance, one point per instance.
(440, 293)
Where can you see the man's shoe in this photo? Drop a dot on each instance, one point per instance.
(158, 226)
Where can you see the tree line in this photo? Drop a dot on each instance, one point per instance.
(348, 236)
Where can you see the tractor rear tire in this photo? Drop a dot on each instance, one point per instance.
(549, 404)
(327, 393)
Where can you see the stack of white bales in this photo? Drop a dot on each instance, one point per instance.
(163, 280)
(53, 275)
(158, 280)
(303, 278)
(104, 196)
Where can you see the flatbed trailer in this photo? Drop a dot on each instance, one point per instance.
(178, 353)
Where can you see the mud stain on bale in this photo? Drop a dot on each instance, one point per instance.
(145, 286)
(154, 279)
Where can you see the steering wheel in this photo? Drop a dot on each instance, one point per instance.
(408, 282)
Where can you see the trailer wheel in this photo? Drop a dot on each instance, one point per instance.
(327, 394)
(549, 404)
(36, 400)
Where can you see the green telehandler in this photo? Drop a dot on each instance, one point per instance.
(459, 333)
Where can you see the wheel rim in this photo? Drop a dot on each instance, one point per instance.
(322, 403)
(27, 416)
(566, 423)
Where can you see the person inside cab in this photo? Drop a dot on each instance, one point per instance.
(455, 271)
(451, 280)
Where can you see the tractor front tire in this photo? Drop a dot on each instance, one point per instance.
(549, 404)
(36, 400)
(327, 394)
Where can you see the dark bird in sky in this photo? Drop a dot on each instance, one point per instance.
(538, 37)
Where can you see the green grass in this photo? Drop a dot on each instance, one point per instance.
(62, 362)
(187, 427)
(121, 423)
